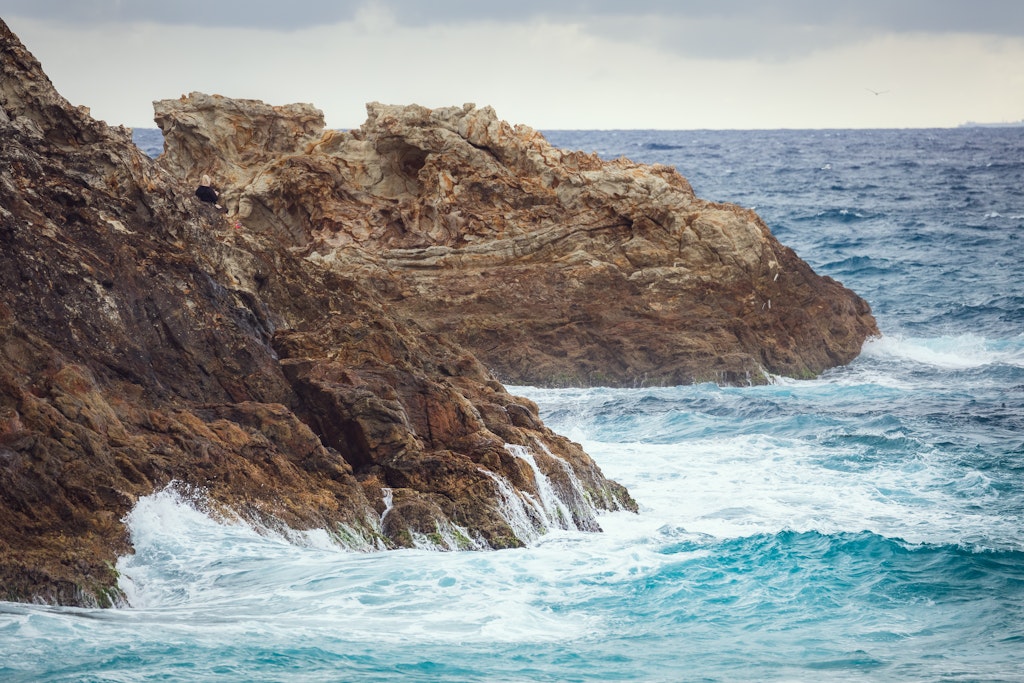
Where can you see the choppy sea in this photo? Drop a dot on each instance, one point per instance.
(867, 525)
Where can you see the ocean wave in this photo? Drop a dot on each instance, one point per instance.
(862, 266)
(222, 575)
(801, 575)
(659, 146)
(957, 352)
(837, 215)
(179, 548)
(846, 478)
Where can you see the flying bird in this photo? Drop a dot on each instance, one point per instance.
(876, 92)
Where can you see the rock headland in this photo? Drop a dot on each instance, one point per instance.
(147, 340)
(328, 353)
(553, 267)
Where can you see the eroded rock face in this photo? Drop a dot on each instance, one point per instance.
(553, 267)
(146, 339)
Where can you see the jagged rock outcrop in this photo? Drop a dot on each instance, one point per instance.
(553, 267)
(146, 339)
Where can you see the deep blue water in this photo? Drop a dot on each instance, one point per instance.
(864, 526)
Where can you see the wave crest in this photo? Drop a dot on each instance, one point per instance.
(956, 352)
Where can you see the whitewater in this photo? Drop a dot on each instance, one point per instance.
(867, 525)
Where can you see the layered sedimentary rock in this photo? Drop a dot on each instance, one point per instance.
(146, 340)
(554, 267)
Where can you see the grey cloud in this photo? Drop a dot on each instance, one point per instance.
(285, 15)
(976, 16)
(780, 22)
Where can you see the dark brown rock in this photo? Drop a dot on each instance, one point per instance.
(146, 340)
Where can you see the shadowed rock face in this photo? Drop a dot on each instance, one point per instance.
(553, 267)
(147, 341)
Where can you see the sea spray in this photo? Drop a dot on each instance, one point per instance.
(951, 352)
(522, 512)
(388, 498)
(178, 506)
(556, 513)
(177, 524)
(575, 496)
(447, 536)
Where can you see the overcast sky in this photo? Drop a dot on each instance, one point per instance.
(679, 64)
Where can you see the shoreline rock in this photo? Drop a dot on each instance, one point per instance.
(554, 267)
(145, 339)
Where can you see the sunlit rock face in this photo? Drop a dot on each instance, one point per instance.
(553, 267)
(148, 339)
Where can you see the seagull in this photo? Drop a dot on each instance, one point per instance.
(876, 92)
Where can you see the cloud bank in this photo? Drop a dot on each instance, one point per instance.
(566, 64)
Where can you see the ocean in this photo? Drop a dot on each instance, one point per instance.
(867, 525)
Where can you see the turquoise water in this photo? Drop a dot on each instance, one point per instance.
(864, 526)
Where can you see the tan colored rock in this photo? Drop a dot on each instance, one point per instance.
(554, 267)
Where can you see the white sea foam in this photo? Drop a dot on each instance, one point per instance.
(228, 580)
(523, 513)
(185, 555)
(178, 547)
(745, 485)
(956, 352)
(577, 494)
(530, 516)
(800, 472)
(556, 513)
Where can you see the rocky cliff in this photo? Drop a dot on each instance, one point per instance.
(147, 340)
(553, 267)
